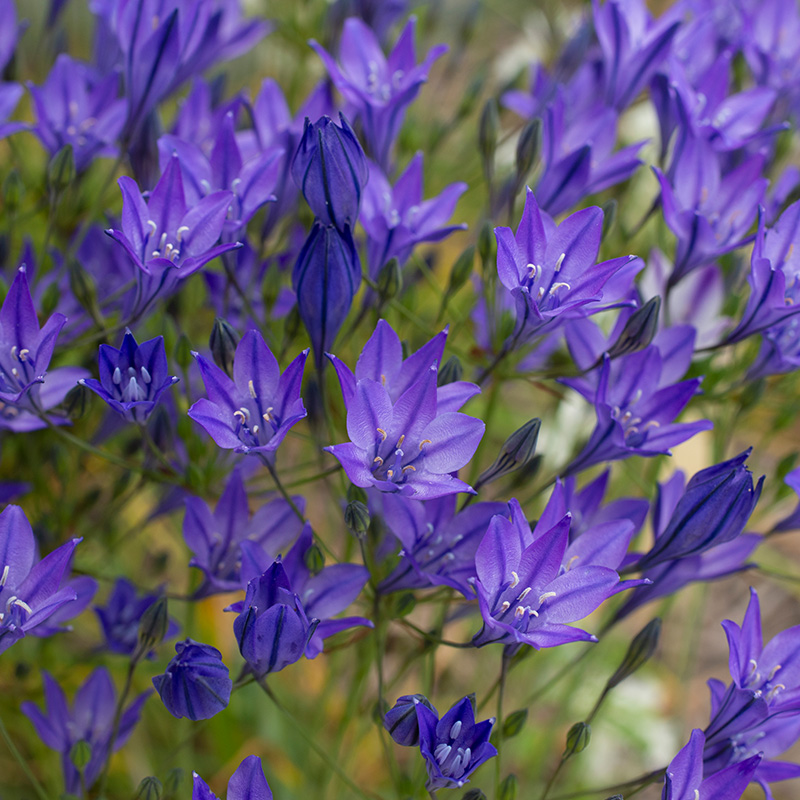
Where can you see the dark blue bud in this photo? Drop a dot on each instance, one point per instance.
(326, 278)
(196, 684)
(401, 719)
(639, 330)
(331, 170)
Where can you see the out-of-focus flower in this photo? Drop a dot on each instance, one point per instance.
(254, 411)
(380, 88)
(133, 378)
(10, 93)
(196, 684)
(90, 720)
(247, 783)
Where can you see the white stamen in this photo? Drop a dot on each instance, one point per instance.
(179, 233)
(153, 227)
(117, 376)
(456, 729)
(525, 593)
(506, 605)
(146, 377)
(543, 597)
(515, 579)
(23, 354)
(4, 577)
(252, 389)
(558, 286)
(560, 261)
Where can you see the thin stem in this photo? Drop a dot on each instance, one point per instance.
(311, 478)
(37, 787)
(501, 689)
(115, 728)
(309, 740)
(281, 488)
(431, 638)
(638, 783)
(552, 780)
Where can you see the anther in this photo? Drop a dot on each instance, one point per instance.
(409, 466)
(14, 351)
(23, 354)
(252, 389)
(525, 592)
(153, 227)
(424, 441)
(179, 233)
(401, 440)
(378, 461)
(456, 729)
(4, 576)
(558, 286)
(543, 597)
(560, 261)
(769, 677)
(506, 605)
(514, 579)
(146, 377)
(117, 376)
(267, 415)
(383, 434)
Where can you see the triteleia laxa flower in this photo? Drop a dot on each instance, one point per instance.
(406, 446)
(35, 595)
(253, 412)
(91, 720)
(684, 777)
(247, 783)
(330, 169)
(133, 378)
(196, 683)
(380, 88)
(401, 719)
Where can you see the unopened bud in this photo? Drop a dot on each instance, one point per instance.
(401, 719)
(74, 404)
(514, 723)
(639, 330)
(528, 146)
(390, 280)
(149, 789)
(61, 169)
(508, 788)
(173, 782)
(450, 372)
(578, 738)
(517, 451)
(152, 628)
(405, 604)
(639, 652)
(314, 559)
(293, 324)
(462, 270)
(80, 754)
(222, 343)
(609, 216)
(13, 191)
(488, 129)
(356, 517)
(487, 247)
(82, 285)
(473, 794)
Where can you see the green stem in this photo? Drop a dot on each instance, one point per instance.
(431, 638)
(37, 787)
(309, 740)
(281, 488)
(115, 728)
(501, 689)
(552, 780)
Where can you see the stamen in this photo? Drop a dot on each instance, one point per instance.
(255, 429)
(383, 380)
(533, 613)
(410, 466)
(456, 729)
(401, 440)
(525, 592)
(14, 351)
(239, 414)
(543, 597)
(519, 612)
(153, 227)
(252, 389)
(424, 441)
(179, 233)
(163, 241)
(442, 752)
(773, 691)
(378, 461)
(560, 261)
(383, 434)
(117, 376)
(146, 377)
(558, 286)
(506, 605)
(572, 560)
(23, 354)
(267, 416)
(769, 677)
(23, 604)
(514, 579)
(4, 577)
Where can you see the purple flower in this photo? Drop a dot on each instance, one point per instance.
(401, 719)
(216, 538)
(325, 278)
(133, 378)
(380, 88)
(78, 106)
(396, 218)
(90, 720)
(10, 93)
(438, 544)
(35, 595)
(196, 684)
(455, 745)
(27, 390)
(758, 712)
(251, 182)
(408, 445)
(684, 778)
(120, 616)
(272, 628)
(319, 597)
(382, 360)
(247, 783)
(166, 238)
(529, 583)
(714, 509)
(551, 270)
(330, 169)
(254, 411)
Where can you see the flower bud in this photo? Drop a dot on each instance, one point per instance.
(61, 169)
(528, 146)
(508, 788)
(514, 723)
(487, 247)
(149, 789)
(609, 216)
(640, 651)
(450, 372)
(639, 330)
(74, 404)
(13, 191)
(578, 738)
(196, 684)
(390, 280)
(152, 628)
(330, 168)
(314, 559)
(473, 794)
(488, 129)
(356, 517)
(82, 285)
(462, 270)
(517, 451)
(222, 343)
(405, 604)
(326, 278)
(401, 719)
(173, 782)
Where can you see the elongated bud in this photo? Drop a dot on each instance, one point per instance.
(639, 652)
(222, 343)
(390, 280)
(473, 794)
(528, 146)
(13, 191)
(356, 517)
(356, 493)
(314, 559)
(488, 129)
(515, 722)
(152, 628)
(487, 247)
(405, 604)
(61, 169)
(508, 788)
(401, 719)
(74, 404)
(173, 782)
(82, 285)
(578, 738)
(639, 330)
(80, 754)
(609, 216)
(517, 451)
(451, 372)
(149, 789)
(462, 270)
